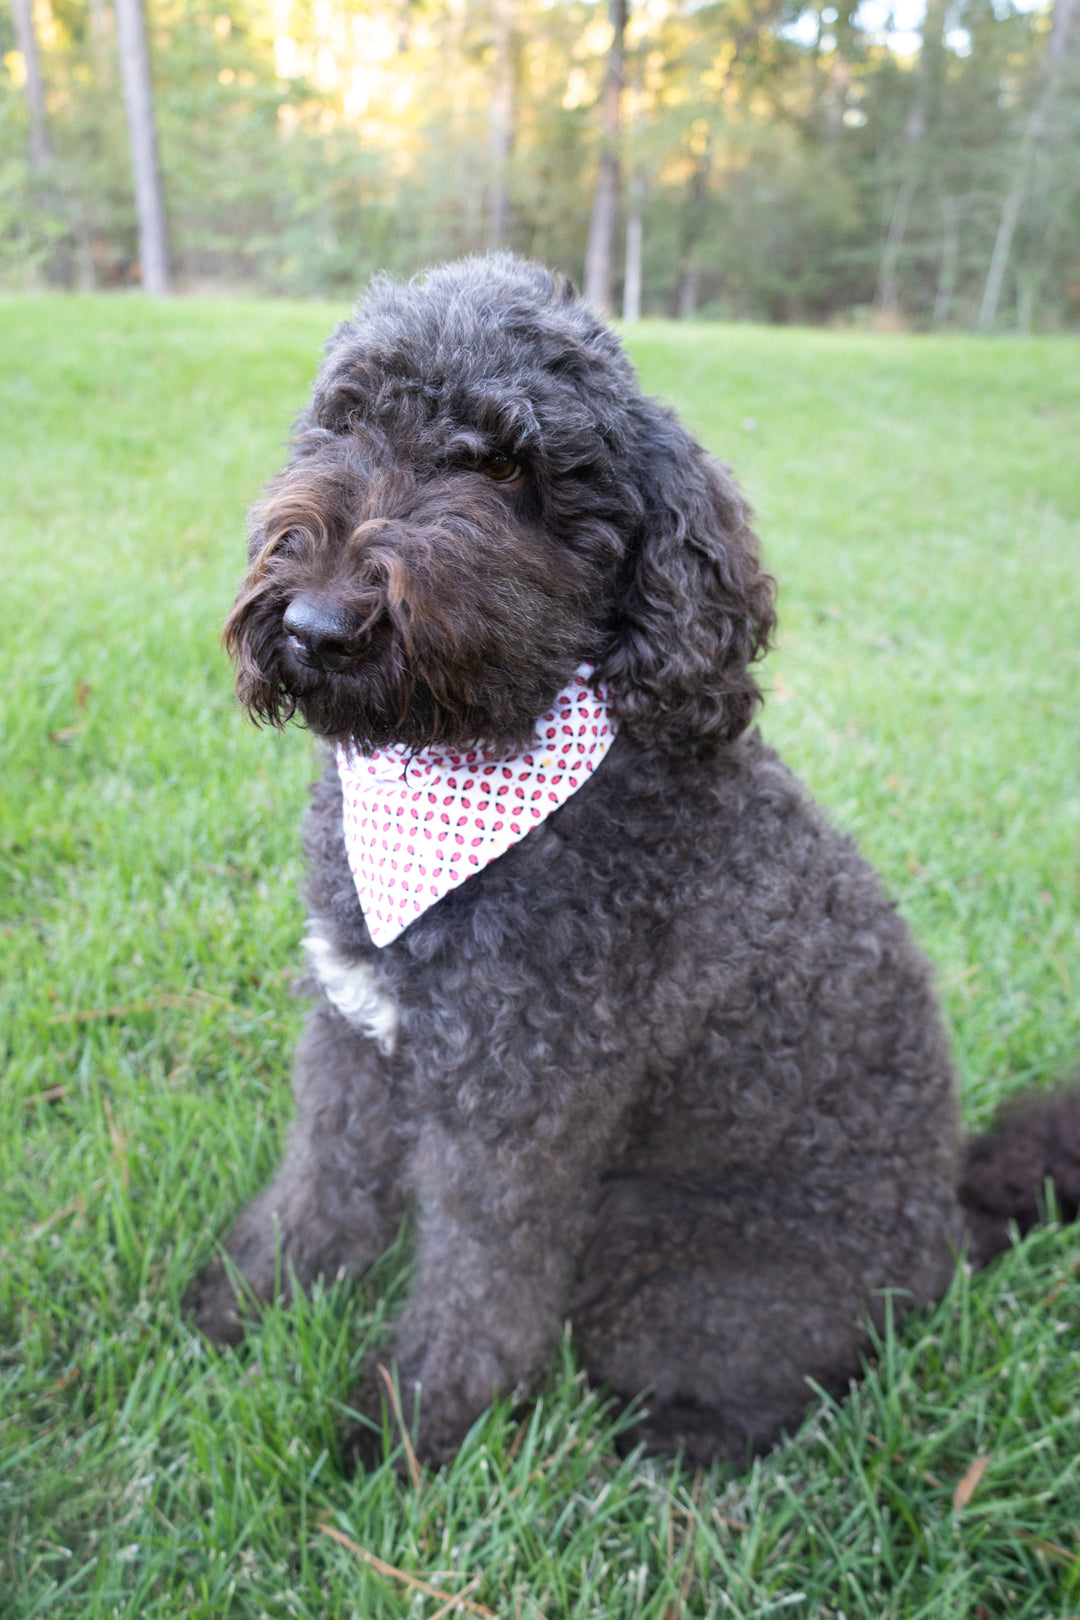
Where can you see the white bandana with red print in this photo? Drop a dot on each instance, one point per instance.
(418, 825)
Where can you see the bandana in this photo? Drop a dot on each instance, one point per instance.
(417, 825)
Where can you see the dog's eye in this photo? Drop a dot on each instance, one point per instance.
(503, 469)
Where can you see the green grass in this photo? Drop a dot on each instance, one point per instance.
(920, 503)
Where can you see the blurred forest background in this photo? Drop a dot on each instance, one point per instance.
(752, 159)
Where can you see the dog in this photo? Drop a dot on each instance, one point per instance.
(652, 1050)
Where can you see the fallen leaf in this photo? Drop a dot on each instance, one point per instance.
(1061, 970)
(76, 1207)
(1049, 1549)
(726, 1519)
(50, 1094)
(66, 734)
(972, 1475)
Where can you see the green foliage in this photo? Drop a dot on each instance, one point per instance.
(304, 145)
(920, 503)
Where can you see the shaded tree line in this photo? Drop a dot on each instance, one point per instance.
(757, 159)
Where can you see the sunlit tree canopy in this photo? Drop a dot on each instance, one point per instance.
(774, 160)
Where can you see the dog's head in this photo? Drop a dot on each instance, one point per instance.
(479, 499)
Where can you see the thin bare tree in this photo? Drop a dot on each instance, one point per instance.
(912, 159)
(631, 304)
(635, 208)
(500, 121)
(693, 219)
(1035, 135)
(142, 137)
(600, 253)
(38, 147)
(950, 259)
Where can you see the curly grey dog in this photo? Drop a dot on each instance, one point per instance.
(671, 1065)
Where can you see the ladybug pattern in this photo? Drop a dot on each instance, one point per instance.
(417, 825)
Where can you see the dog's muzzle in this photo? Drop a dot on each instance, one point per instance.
(324, 637)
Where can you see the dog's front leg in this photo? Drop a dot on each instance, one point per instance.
(339, 1194)
(500, 1229)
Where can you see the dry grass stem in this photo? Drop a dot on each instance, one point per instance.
(381, 1567)
(415, 1474)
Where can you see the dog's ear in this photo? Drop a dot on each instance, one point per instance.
(695, 607)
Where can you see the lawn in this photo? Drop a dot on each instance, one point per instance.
(919, 501)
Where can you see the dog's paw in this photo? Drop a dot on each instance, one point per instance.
(377, 1431)
(700, 1433)
(211, 1305)
(398, 1416)
(364, 1446)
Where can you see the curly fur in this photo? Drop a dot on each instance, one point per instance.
(672, 1066)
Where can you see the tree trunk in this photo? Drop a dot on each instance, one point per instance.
(888, 276)
(950, 258)
(631, 305)
(599, 255)
(139, 106)
(888, 294)
(1035, 132)
(835, 99)
(686, 303)
(501, 123)
(693, 225)
(38, 150)
(99, 43)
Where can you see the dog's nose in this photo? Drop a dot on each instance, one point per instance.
(325, 632)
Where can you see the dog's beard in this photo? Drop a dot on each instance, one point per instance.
(463, 637)
(391, 697)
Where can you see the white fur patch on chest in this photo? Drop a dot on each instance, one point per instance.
(351, 988)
